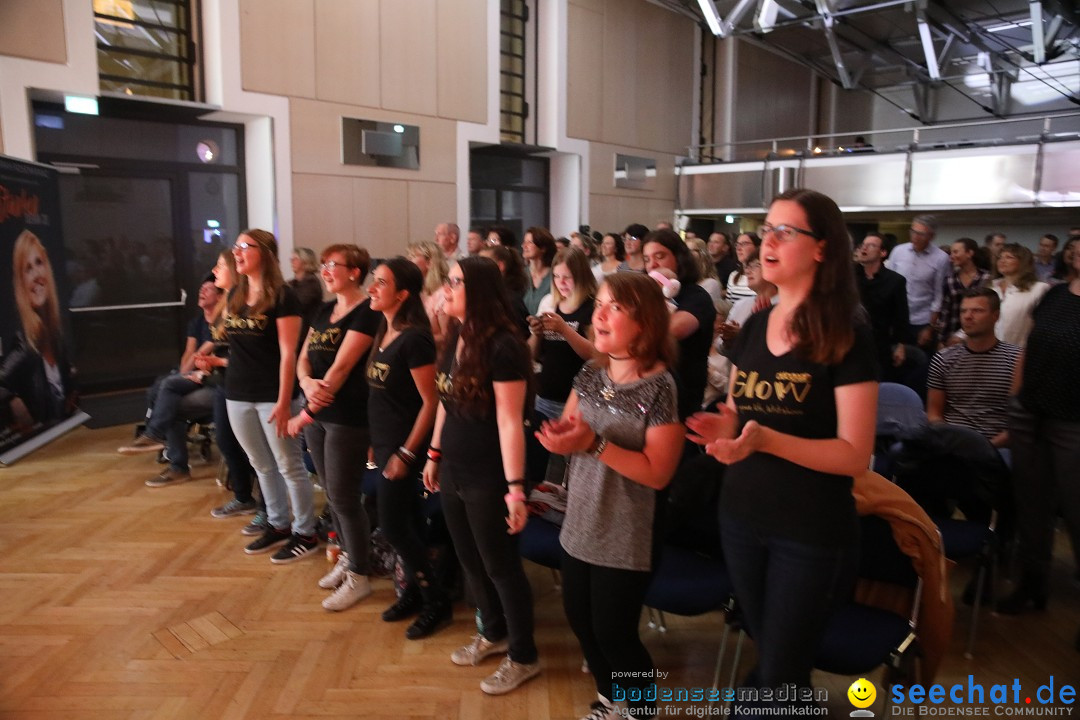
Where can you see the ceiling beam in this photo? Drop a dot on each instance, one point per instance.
(926, 36)
(1038, 39)
(824, 7)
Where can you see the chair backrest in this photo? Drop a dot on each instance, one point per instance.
(900, 412)
(880, 558)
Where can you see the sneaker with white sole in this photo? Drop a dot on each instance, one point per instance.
(353, 588)
(168, 477)
(271, 537)
(234, 507)
(333, 579)
(298, 548)
(509, 676)
(142, 444)
(480, 648)
(257, 526)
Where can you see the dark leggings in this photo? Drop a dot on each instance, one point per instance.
(240, 472)
(400, 517)
(787, 591)
(603, 607)
(475, 511)
(340, 455)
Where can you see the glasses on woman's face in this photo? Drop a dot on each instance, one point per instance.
(331, 265)
(787, 233)
(242, 245)
(454, 282)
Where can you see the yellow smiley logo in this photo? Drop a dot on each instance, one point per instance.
(862, 693)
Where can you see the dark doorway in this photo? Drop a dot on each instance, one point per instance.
(509, 188)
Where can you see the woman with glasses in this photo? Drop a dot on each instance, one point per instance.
(632, 237)
(401, 412)
(477, 459)
(797, 426)
(621, 428)
(745, 246)
(538, 250)
(262, 325)
(334, 418)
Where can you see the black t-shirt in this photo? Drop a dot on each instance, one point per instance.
(793, 396)
(395, 402)
(692, 369)
(254, 356)
(471, 440)
(324, 341)
(1052, 356)
(559, 361)
(199, 329)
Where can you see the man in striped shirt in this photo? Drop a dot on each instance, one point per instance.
(969, 383)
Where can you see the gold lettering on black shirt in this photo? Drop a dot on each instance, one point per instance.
(324, 341)
(752, 387)
(378, 372)
(444, 384)
(241, 323)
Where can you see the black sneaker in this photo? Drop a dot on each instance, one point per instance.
(298, 547)
(257, 526)
(270, 539)
(433, 616)
(406, 606)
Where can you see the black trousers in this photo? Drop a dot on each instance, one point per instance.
(475, 512)
(400, 517)
(603, 607)
(340, 455)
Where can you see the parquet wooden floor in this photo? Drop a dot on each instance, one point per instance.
(119, 601)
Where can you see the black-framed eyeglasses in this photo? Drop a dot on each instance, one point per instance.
(454, 282)
(787, 233)
(332, 265)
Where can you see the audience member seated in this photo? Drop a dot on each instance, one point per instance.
(175, 398)
(969, 383)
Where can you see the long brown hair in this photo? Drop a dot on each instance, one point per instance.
(823, 323)
(488, 313)
(272, 281)
(41, 328)
(411, 313)
(223, 301)
(640, 296)
(1025, 274)
(584, 280)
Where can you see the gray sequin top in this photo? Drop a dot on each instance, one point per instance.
(609, 518)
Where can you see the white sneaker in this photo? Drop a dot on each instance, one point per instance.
(332, 579)
(353, 589)
(509, 676)
(478, 649)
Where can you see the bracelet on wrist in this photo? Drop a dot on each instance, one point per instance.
(599, 444)
(434, 455)
(406, 454)
(307, 415)
(516, 482)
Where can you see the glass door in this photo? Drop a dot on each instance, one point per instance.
(128, 296)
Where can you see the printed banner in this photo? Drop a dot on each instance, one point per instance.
(37, 381)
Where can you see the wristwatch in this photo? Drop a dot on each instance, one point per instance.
(598, 446)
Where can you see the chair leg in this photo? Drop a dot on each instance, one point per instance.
(720, 655)
(738, 657)
(979, 582)
(557, 579)
(662, 626)
(652, 618)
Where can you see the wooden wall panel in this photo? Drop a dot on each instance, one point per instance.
(380, 216)
(33, 29)
(347, 51)
(316, 142)
(585, 50)
(772, 96)
(322, 211)
(429, 205)
(619, 86)
(462, 58)
(602, 172)
(610, 213)
(277, 46)
(407, 57)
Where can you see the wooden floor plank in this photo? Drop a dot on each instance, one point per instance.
(119, 601)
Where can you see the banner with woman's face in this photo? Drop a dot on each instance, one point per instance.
(37, 388)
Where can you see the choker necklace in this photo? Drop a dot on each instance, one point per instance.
(613, 357)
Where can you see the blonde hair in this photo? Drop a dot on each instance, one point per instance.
(307, 258)
(272, 281)
(584, 281)
(41, 327)
(700, 250)
(438, 270)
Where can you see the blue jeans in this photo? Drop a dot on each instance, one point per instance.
(277, 462)
(786, 590)
(173, 400)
